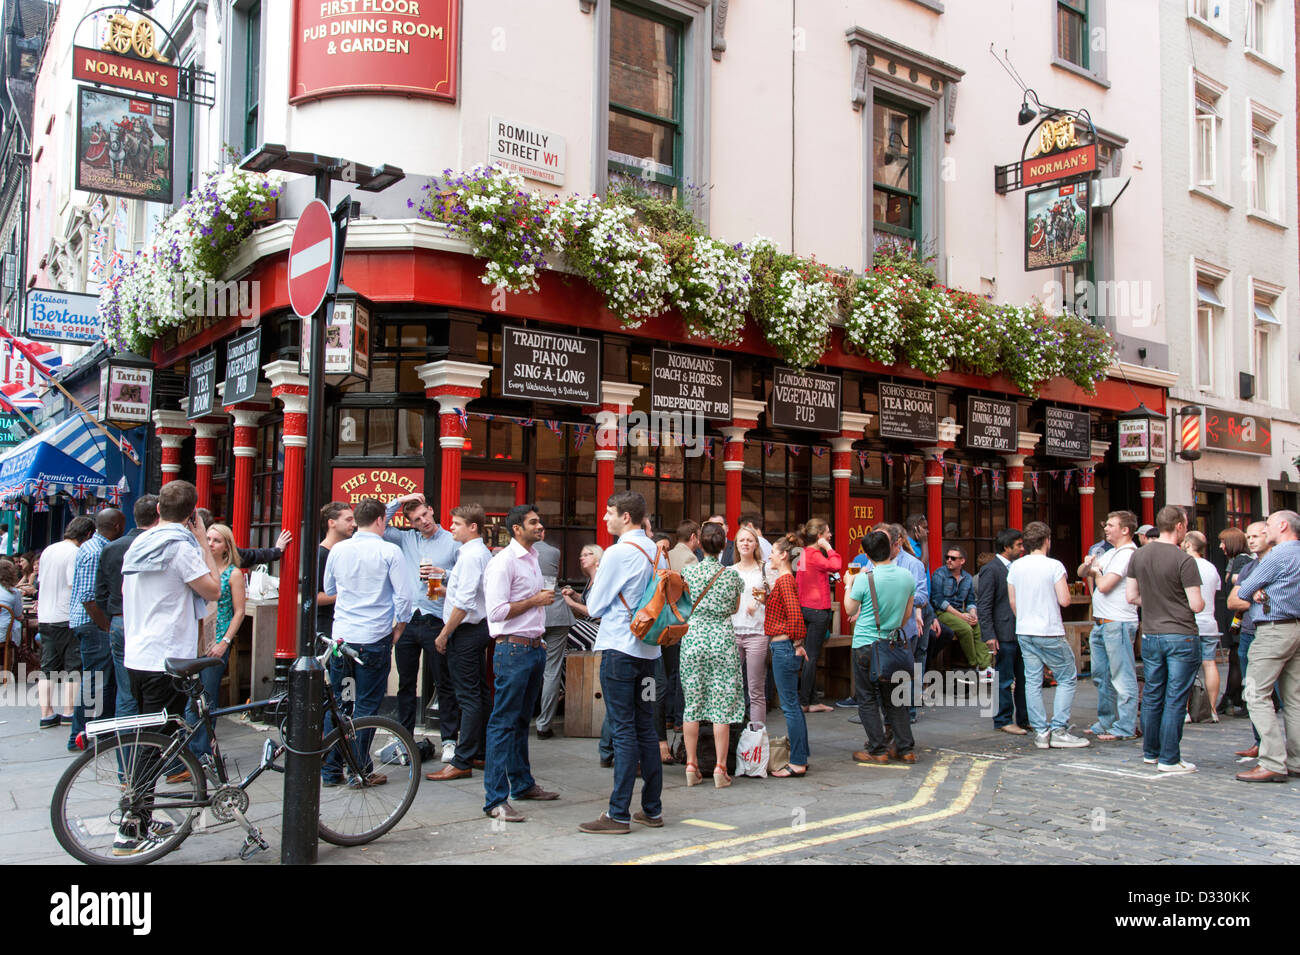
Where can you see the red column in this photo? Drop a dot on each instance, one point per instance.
(852, 428)
(934, 503)
(745, 412)
(1087, 519)
(241, 491)
(1016, 479)
(205, 457)
(1147, 492)
(453, 384)
(616, 400)
(290, 388)
(172, 430)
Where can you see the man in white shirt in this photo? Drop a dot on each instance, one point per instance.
(1115, 622)
(168, 577)
(627, 667)
(1037, 590)
(464, 639)
(516, 611)
(60, 653)
(369, 577)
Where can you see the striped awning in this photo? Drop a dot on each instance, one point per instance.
(68, 457)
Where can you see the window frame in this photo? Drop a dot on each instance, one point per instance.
(240, 96)
(1256, 113)
(674, 123)
(1220, 328)
(1270, 389)
(1216, 25)
(1204, 90)
(1094, 66)
(695, 20)
(917, 194)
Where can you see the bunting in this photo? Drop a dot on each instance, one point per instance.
(1068, 476)
(1033, 477)
(819, 451)
(956, 476)
(463, 415)
(581, 434)
(864, 460)
(555, 428)
(768, 448)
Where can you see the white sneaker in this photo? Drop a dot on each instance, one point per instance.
(1180, 768)
(448, 751)
(1149, 761)
(1187, 717)
(1043, 740)
(1061, 739)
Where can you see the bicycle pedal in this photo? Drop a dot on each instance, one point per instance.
(253, 845)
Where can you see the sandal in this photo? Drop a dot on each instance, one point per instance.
(693, 777)
(789, 774)
(821, 708)
(720, 778)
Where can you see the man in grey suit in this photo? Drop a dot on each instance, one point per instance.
(559, 618)
(998, 625)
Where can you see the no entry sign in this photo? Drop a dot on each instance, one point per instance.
(311, 259)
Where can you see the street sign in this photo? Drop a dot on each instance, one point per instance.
(311, 259)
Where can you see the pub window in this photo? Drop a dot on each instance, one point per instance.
(268, 483)
(645, 98)
(973, 514)
(896, 178)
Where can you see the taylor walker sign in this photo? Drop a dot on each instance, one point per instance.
(533, 153)
(548, 366)
(70, 317)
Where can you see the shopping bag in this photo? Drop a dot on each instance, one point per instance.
(779, 755)
(753, 751)
(261, 585)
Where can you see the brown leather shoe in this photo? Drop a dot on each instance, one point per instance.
(449, 772)
(904, 758)
(1252, 753)
(506, 813)
(605, 826)
(1261, 775)
(862, 756)
(657, 822)
(537, 792)
(1014, 730)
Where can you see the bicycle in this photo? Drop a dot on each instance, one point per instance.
(127, 800)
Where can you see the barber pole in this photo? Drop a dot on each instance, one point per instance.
(1189, 444)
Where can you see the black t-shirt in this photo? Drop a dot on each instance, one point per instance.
(324, 612)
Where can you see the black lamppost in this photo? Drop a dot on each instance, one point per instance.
(306, 679)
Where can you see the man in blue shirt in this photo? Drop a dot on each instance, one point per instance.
(429, 551)
(368, 576)
(952, 594)
(1275, 653)
(90, 625)
(627, 666)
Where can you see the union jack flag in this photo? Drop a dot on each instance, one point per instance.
(1033, 479)
(18, 395)
(708, 448)
(581, 434)
(463, 415)
(997, 480)
(98, 239)
(555, 428)
(40, 489)
(863, 458)
(97, 267)
(889, 460)
(768, 448)
(81, 491)
(819, 451)
(956, 476)
(115, 496)
(1068, 476)
(794, 449)
(41, 505)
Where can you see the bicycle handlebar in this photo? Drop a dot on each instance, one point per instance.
(334, 645)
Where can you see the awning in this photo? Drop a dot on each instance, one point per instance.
(68, 457)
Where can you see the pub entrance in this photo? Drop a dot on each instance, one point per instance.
(497, 492)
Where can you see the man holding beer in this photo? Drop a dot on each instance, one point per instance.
(429, 552)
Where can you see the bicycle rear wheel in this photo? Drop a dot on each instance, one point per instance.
(113, 804)
(360, 808)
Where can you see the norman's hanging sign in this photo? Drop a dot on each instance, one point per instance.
(385, 47)
(1059, 147)
(126, 51)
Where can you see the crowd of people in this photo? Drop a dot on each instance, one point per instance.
(117, 606)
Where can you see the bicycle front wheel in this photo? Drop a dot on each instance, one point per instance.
(367, 783)
(114, 804)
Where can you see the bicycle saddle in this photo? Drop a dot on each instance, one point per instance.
(179, 666)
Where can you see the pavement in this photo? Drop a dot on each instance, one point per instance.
(974, 796)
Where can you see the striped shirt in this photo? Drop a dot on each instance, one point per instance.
(83, 580)
(1278, 575)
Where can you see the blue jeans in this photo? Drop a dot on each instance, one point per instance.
(518, 671)
(1170, 662)
(117, 643)
(361, 697)
(98, 679)
(785, 670)
(1055, 653)
(1114, 673)
(623, 680)
(1012, 707)
(200, 745)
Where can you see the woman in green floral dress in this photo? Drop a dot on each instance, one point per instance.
(710, 661)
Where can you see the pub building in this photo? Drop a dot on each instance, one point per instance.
(449, 405)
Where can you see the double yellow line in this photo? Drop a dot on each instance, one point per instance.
(924, 796)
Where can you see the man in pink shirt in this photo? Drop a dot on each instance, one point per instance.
(516, 614)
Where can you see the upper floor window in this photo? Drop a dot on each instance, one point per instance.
(1261, 31)
(896, 178)
(1209, 154)
(1212, 342)
(1210, 13)
(1072, 31)
(1267, 343)
(252, 76)
(244, 126)
(1265, 192)
(645, 99)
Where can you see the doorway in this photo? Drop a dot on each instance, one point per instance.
(496, 492)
